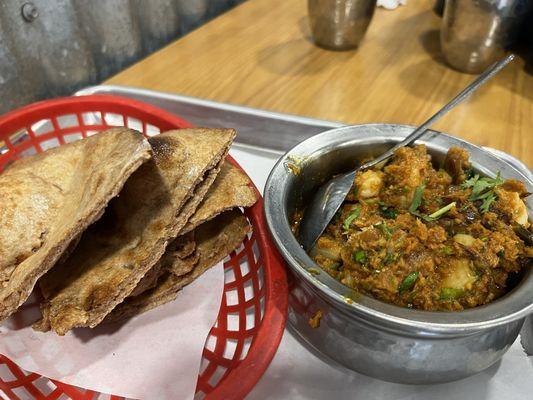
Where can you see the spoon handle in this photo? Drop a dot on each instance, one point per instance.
(476, 83)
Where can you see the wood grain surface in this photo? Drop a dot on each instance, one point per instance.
(260, 54)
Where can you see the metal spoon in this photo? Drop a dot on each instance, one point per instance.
(330, 196)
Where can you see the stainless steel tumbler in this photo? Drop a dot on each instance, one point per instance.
(339, 24)
(476, 33)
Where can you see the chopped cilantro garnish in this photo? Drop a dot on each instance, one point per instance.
(417, 199)
(447, 250)
(487, 202)
(384, 229)
(389, 257)
(409, 282)
(359, 256)
(483, 189)
(451, 293)
(351, 217)
(387, 212)
(440, 212)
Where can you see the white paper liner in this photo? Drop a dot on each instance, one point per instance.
(155, 355)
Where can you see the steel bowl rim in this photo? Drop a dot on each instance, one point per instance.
(394, 317)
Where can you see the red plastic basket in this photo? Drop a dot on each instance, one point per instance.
(250, 323)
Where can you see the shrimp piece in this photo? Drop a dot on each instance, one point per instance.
(369, 184)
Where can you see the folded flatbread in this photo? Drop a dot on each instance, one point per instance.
(231, 189)
(149, 280)
(117, 251)
(177, 265)
(182, 253)
(215, 240)
(182, 248)
(50, 198)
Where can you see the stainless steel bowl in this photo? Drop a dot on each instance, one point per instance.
(364, 334)
(339, 24)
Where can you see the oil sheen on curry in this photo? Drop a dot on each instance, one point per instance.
(432, 239)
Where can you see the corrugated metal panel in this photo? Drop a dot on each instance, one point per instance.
(159, 22)
(62, 45)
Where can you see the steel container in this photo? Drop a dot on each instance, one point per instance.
(364, 334)
(339, 24)
(477, 33)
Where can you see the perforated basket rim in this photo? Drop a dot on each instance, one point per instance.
(241, 379)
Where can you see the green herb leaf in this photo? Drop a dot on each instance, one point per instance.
(313, 271)
(384, 229)
(355, 190)
(417, 199)
(387, 212)
(451, 293)
(389, 257)
(359, 256)
(440, 212)
(487, 202)
(436, 215)
(423, 216)
(483, 189)
(447, 250)
(482, 184)
(351, 217)
(409, 282)
(470, 182)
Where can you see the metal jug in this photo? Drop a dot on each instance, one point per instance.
(476, 33)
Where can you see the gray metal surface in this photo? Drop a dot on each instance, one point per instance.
(53, 47)
(475, 34)
(259, 128)
(339, 24)
(366, 335)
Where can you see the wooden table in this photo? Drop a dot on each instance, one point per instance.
(260, 55)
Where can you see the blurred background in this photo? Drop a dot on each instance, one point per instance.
(52, 48)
